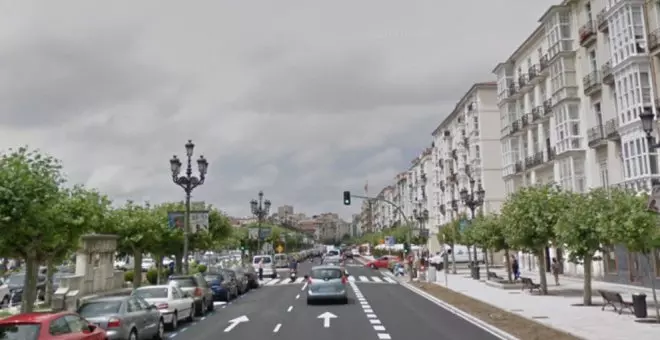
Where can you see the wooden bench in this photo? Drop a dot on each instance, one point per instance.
(615, 300)
(527, 283)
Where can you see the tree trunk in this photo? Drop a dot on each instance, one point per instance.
(50, 271)
(469, 254)
(588, 273)
(159, 268)
(542, 275)
(30, 285)
(652, 264)
(178, 262)
(486, 262)
(137, 268)
(507, 263)
(453, 260)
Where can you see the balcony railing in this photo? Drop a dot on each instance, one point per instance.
(611, 129)
(518, 167)
(606, 73)
(524, 121)
(601, 21)
(591, 83)
(536, 113)
(544, 62)
(654, 40)
(513, 89)
(515, 127)
(587, 34)
(523, 81)
(595, 136)
(533, 72)
(547, 108)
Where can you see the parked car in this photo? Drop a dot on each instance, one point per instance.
(200, 290)
(222, 286)
(173, 304)
(49, 326)
(124, 317)
(241, 279)
(327, 283)
(252, 277)
(269, 269)
(16, 284)
(381, 262)
(4, 294)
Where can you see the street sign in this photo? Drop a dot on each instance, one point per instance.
(253, 233)
(279, 248)
(199, 220)
(390, 240)
(282, 238)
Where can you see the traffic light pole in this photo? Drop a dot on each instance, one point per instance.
(400, 211)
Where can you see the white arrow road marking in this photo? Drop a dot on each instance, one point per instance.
(326, 318)
(234, 322)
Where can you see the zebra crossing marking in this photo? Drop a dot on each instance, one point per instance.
(389, 279)
(377, 279)
(364, 279)
(353, 279)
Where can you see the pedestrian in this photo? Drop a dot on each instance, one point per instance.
(515, 267)
(261, 269)
(555, 270)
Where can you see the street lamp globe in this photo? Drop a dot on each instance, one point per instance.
(464, 195)
(267, 206)
(425, 214)
(647, 119)
(203, 165)
(190, 147)
(175, 165)
(481, 193)
(254, 205)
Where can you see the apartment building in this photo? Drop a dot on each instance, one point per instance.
(570, 98)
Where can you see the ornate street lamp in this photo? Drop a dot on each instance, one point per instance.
(188, 182)
(648, 123)
(260, 209)
(473, 199)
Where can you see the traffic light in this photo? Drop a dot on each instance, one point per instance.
(242, 245)
(406, 247)
(347, 198)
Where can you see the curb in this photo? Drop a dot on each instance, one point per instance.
(500, 334)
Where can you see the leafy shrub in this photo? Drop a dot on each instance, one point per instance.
(128, 276)
(152, 275)
(201, 268)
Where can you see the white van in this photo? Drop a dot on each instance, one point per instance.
(269, 268)
(281, 261)
(460, 254)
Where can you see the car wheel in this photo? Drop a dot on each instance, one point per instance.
(310, 302)
(133, 335)
(274, 276)
(5, 301)
(175, 321)
(160, 333)
(199, 309)
(191, 313)
(210, 306)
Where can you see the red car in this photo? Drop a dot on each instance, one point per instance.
(381, 262)
(49, 326)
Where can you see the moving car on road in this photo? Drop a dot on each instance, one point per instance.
(269, 269)
(47, 326)
(327, 283)
(173, 304)
(333, 255)
(382, 262)
(196, 286)
(124, 317)
(281, 261)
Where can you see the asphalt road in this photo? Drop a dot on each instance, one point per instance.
(377, 310)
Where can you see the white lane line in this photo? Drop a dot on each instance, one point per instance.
(289, 309)
(300, 280)
(364, 279)
(379, 328)
(375, 321)
(364, 302)
(277, 328)
(384, 336)
(297, 296)
(372, 316)
(366, 307)
(368, 310)
(390, 280)
(376, 279)
(304, 287)
(272, 282)
(351, 278)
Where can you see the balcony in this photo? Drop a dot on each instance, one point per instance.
(654, 41)
(518, 167)
(596, 136)
(513, 89)
(601, 21)
(515, 127)
(547, 108)
(523, 82)
(552, 154)
(533, 72)
(611, 129)
(537, 113)
(592, 83)
(525, 120)
(587, 34)
(544, 62)
(606, 73)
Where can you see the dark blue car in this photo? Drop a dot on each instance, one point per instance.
(223, 289)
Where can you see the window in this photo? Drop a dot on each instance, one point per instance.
(26, 331)
(567, 118)
(599, 114)
(604, 174)
(593, 62)
(59, 326)
(133, 306)
(475, 123)
(566, 173)
(635, 159)
(76, 324)
(477, 151)
(609, 258)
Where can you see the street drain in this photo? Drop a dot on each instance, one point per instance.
(540, 317)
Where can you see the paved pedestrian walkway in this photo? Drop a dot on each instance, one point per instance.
(559, 309)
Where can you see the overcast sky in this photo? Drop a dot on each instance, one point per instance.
(303, 99)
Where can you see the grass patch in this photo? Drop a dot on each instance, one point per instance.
(516, 325)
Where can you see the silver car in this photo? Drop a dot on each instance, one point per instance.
(124, 317)
(327, 283)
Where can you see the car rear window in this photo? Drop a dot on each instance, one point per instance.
(151, 293)
(184, 282)
(333, 253)
(214, 277)
(267, 259)
(94, 309)
(19, 332)
(326, 274)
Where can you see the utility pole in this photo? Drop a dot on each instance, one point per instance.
(371, 216)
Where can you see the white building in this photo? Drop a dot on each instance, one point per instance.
(466, 145)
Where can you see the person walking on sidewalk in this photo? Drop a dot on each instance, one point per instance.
(515, 268)
(261, 269)
(555, 270)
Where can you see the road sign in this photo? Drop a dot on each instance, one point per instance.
(279, 248)
(390, 240)
(381, 241)
(199, 220)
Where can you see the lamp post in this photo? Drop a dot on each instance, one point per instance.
(422, 216)
(473, 199)
(648, 123)
(260, 209)
(188, 182)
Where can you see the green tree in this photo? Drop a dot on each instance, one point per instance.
(29, 185)
(450, 235)
(637, 229)
(530, 215)
(582, 229)
(491, 232)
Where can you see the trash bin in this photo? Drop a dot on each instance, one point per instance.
(475, 271)
(431, 274)
(639, 305)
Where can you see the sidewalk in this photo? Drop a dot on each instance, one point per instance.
(558, 309)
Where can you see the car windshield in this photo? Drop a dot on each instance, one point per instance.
(98, 308)
(184, 282)
(19, 332)
(267, 260)
(151, 292)
(16, 279)
(326, 274)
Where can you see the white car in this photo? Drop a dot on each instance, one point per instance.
(4, 294)
(269, 269)
(147, 264)
(173, 304)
